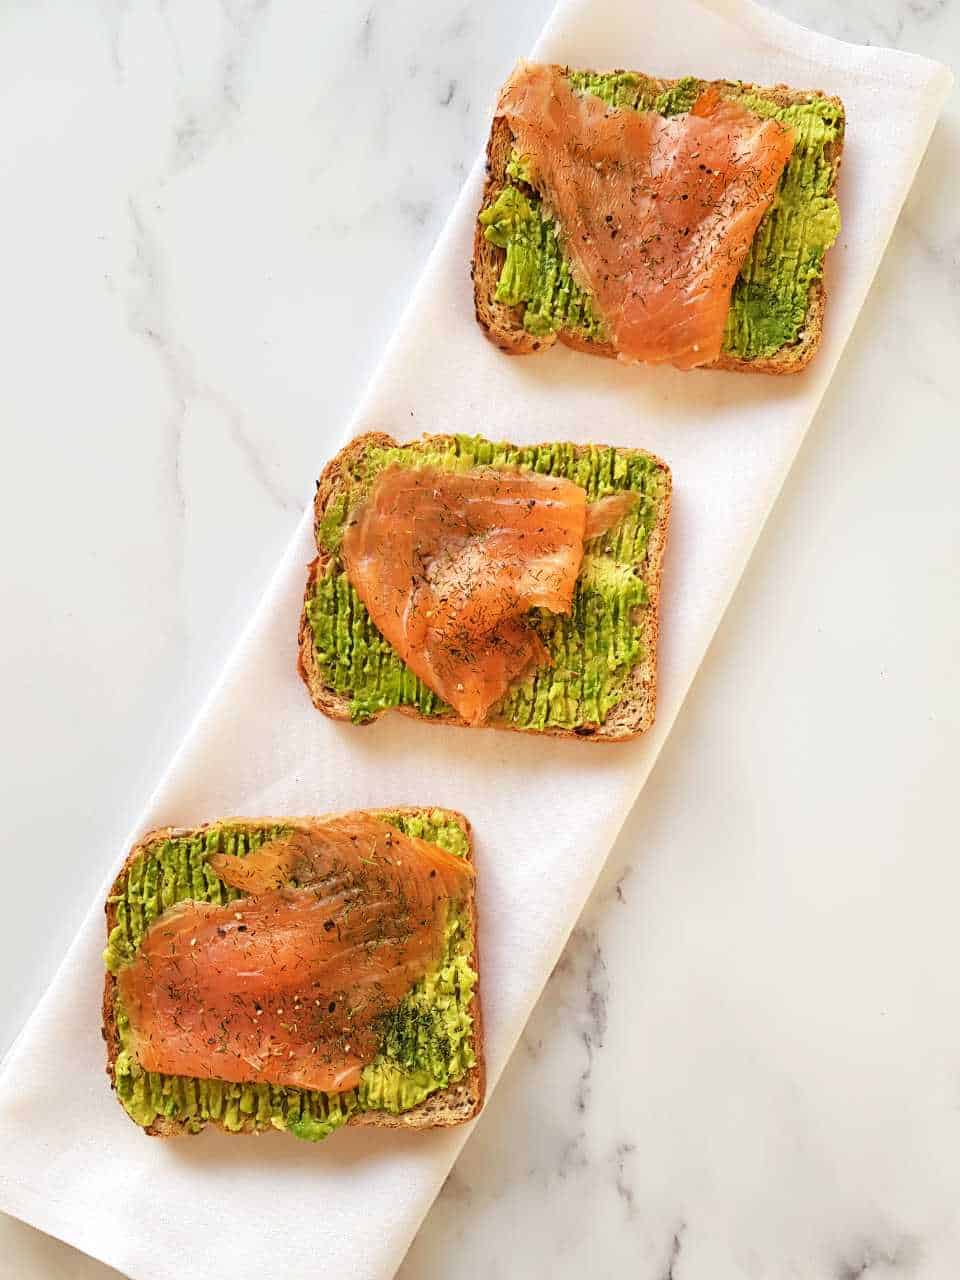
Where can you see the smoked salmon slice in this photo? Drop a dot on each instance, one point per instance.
(657, 212)
(286, 986)
(606, 513)
(448, 562)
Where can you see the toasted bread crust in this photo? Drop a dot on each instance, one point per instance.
(454, 1105)
(503, 325)
(633, 715)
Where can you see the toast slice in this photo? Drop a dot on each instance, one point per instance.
(458, 1102)
(504, 324)
(634, 705)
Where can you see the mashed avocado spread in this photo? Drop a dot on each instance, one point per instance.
(426, 1043)
(768, 306)
(592, 650)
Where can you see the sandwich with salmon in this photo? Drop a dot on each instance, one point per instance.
(296, 974)
(467, 582)
(680, 222)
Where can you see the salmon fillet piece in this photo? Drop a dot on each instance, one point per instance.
(657, 212)
(448, 562)
(287, 986)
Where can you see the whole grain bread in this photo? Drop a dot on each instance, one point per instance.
(632, 715)
(503, 325)
(456, 1104)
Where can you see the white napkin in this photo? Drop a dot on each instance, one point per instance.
(545, 812)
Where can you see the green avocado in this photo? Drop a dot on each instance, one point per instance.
(592, 650)
(768, 306)
(426, 1043)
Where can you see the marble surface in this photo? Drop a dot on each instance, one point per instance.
(748, 1062)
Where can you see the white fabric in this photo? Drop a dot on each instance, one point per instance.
(545, 812)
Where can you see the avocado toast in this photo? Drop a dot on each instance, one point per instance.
(599, 682)
(428, 1066)
(527, 297)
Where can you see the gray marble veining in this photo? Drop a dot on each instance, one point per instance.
(745, 1064)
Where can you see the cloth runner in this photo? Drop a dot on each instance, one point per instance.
(546, 812)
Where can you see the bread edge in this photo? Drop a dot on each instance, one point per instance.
(440, 1110)
(633, 715)
(503, 325)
